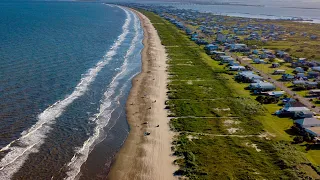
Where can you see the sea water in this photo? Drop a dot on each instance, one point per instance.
(265, 9)
(65, 74)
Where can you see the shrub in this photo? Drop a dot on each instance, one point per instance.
(298, 139)
(267, 100)
(295, 129)
(307, 137)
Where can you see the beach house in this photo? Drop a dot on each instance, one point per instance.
(305, 84)
(275, 65)
(287, 77)
(281, 54)
(248, 77)
(275, 93)
(313, 74)
(239, 47)
(201, 42)
(309, 125)
(237, 68)
(287, 59)
(225, 59)
(299, 70)
(293, 112)
(255, 51)
(279, 71)
(300, 76)
(221, 38)
(210, 48)
(216, 54)
(259, 61)
(316, 68)
(313, 37)
(262, 86)
(307, 122)
(314, 92)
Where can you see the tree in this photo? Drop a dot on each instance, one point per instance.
(271, 60)
(307, 137)
(248, 67)
(267, 99)
(260, 99)
(295, 129)
(305, 68)
(298, 139)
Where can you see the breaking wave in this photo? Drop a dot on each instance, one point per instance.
(31, 139)
(103, 117)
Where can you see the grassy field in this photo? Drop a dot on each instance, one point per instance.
(296, 45)
(266, 68)
(223, 132)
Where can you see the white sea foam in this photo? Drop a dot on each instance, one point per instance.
(103, 117)
(33, 138)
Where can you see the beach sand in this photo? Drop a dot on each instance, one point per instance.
(147, 157)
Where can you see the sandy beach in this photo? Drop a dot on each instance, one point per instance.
(147, 157)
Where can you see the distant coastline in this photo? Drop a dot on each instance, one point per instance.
(302, 8)
(298, 14)
(226, 4)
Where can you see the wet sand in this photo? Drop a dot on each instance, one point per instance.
(147, 157)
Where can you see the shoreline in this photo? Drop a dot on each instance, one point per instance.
(147, 157)
(262, 16)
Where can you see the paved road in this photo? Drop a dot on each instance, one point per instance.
(278, 84)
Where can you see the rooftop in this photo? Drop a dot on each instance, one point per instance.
(308, 122)
(296, 109)
(314, 131)
(314, 91)
(273, 93)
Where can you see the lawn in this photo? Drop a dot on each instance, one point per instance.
(279, 127)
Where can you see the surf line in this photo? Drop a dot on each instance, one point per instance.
(32, 138)
(103, 117)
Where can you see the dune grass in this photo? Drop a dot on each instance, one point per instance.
(223, 131)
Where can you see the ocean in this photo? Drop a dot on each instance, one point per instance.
(65, 74)
(265, 9)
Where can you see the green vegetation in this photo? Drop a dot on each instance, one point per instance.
(223, 132)
(298, 45)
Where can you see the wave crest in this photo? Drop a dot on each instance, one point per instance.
(33, 138)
